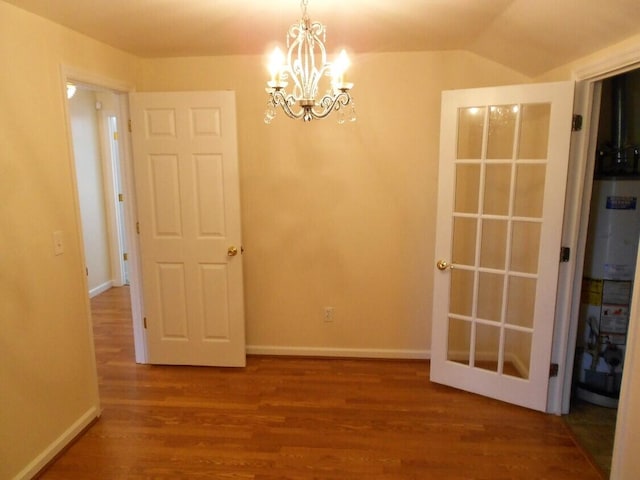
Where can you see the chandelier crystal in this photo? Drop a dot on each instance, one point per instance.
(306, 67)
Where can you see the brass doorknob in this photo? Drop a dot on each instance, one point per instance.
(232, 251)
(443, 265)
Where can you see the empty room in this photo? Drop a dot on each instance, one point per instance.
(315, 239)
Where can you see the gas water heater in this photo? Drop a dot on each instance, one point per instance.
(609, 270)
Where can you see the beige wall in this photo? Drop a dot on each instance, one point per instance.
(339, 215)
(47, 371)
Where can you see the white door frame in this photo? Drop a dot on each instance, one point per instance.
(122, 89)
(111, 180)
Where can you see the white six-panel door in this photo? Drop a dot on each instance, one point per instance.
(502, 175)
(187, 187)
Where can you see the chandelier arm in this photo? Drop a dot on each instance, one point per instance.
(286, 101)
(329, 104)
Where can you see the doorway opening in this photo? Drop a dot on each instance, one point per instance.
(106, 113)
(94, 119)
(609, 267)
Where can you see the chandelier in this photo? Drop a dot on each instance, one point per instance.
(307, 68)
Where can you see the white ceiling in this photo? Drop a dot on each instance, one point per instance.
(531, 36)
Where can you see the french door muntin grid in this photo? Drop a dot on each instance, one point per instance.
(480, 218)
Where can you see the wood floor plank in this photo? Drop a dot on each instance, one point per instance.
(302, 419)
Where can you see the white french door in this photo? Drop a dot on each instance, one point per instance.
(502, 175)
(187, 188)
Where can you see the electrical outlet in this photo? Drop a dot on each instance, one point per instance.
(328, 314)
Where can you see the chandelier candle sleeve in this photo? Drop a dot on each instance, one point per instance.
(305, 66)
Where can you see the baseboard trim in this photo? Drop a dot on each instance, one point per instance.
(100, 289)
(338, 352)
(59, 444)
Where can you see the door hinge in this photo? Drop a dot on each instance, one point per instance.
(120, 197)
(145, 322)
(86, 271)
(138, 228)
(553, 370)
(565, 254)
(576, 123)
(125, 256)
(129, 125)
(115, 136)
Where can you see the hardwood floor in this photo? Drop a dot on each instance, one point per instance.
(302, 418)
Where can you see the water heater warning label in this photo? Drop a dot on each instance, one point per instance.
(621, 203)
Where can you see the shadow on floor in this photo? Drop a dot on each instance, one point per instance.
(594, 427)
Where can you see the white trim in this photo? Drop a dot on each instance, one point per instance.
(78, 75)
(132, 238)
(100, 289)
(622, 61)
(109, 182)
(59, 444)
(338, 352)
(571, 271)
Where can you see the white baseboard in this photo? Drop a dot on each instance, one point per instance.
(338, 352)
(100, 289)
(58, 444)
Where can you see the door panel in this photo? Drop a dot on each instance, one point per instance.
(503, 166)
(186, 171)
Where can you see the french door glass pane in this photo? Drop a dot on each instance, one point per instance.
(521, 300)
(464, 241)
(517, 353)
(496, 197)
(534, 131)
(493, 244)
(459, 338)
(487, 347)
(490, 288)
(502, 127)
(529, 190)
(467, 188)
(461, 296)
(525, 244)
(470, 131)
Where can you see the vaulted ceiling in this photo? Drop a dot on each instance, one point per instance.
(530, 36)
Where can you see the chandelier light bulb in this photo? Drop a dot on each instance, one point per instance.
(339, 69)
(276, 61)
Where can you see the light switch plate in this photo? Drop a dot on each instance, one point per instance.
(58, 243)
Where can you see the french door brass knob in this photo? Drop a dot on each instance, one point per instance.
(232, 251)
(443, 265)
